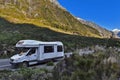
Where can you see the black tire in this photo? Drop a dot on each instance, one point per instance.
(25, 64)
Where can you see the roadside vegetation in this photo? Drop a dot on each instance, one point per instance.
(25, 74)
(101, 65)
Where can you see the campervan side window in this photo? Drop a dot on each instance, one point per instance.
(59, 48)
(48, 49)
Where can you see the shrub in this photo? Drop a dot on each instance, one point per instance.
(51, 63)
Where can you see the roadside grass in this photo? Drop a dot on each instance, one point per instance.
(86, 67)
(24, 74)
(97, 66)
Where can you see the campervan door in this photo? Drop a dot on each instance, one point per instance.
(50, 51)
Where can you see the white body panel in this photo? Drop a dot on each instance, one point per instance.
(43, 51)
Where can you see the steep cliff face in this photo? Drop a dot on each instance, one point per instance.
(46, 13)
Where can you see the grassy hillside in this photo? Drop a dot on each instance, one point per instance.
(10, 33)
(45, 14)
(103, 32)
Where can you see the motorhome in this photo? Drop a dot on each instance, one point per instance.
(33, 51)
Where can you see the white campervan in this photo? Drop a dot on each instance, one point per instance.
(32, 51)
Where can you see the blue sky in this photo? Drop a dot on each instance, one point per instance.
(105, 13)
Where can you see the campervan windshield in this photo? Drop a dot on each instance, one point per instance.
(22, 51)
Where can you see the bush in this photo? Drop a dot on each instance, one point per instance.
(51, 63)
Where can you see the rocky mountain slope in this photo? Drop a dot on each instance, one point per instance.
(46, 13)
(103, 32)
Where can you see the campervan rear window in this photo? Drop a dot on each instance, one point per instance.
(59, 48)
(48, 49)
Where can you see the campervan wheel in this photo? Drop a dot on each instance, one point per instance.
(24, 64)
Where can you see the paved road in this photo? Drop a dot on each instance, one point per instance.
(4, 64)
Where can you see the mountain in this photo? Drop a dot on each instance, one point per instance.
(116, 33)
(45, 20)
(56, 3)
(49, 14)
(103, 32)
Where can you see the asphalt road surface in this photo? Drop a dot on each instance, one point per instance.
(4, 64)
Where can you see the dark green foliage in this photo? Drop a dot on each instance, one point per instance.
(25, 74)
(51, 63)
(4, 73)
